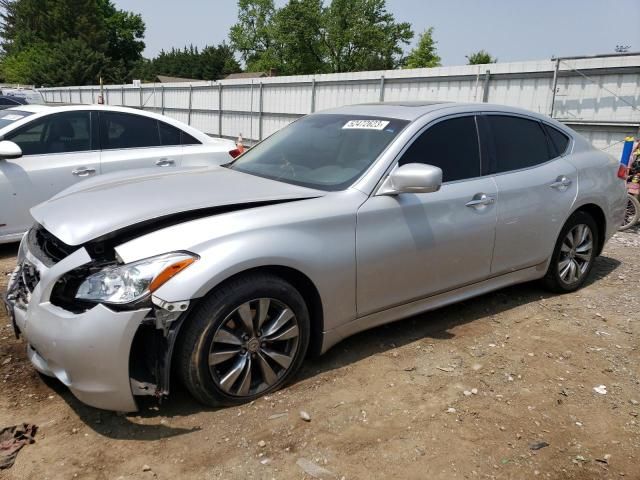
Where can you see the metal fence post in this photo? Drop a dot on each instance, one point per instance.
(162, 98)
(106, 96)
(80, 94)
(382, 88)
(220, 110)
(554, 87)
(190, 104)
(70, 98)
(313, 95)
(260, 101)
(122, 95)
(141, 104)
(485, 87)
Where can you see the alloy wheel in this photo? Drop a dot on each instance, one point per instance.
(254, 347)
(576, 254)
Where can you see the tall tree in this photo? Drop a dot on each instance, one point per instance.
(305, 36)
(363, 35)
(252, 36)
(298, 38)
(480, 57)
(102, 40)
(425, 54)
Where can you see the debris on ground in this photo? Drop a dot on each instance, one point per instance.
(12, 439)
(314, 470)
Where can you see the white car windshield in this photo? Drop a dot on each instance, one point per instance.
(324, 151)
(7, 117)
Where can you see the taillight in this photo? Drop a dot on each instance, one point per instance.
(235, 152)
(622, 171)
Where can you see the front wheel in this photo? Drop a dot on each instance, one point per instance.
(631, 213)
(573, 255)
(246, 339)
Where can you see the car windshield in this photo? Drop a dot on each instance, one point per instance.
(7, 117)
(323, 151)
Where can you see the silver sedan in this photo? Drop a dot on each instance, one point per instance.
(342, 221)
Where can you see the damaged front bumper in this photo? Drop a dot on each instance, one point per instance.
(89, 352)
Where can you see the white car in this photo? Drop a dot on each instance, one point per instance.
(45, 149)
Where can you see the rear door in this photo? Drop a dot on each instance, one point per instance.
(58, 151)
(131, 141)
(536, 189)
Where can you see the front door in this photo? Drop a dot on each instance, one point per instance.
(411, 246)
(57, 152)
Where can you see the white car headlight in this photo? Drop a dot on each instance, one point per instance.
(127, 283)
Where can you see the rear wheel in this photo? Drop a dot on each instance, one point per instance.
(631, 213)
(574, 254)
(246, 339)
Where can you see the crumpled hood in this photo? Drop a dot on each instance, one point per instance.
(107, 203)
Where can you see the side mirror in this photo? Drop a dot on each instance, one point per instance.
(9, 150)
(412, 178)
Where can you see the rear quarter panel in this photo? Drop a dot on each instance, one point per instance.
(598, 184)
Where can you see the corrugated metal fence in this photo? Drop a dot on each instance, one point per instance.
(598, 96)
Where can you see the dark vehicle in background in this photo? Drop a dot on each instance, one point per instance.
(8, 101)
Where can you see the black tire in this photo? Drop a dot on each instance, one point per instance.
(632, 213)
(553, 279)
(197, 339)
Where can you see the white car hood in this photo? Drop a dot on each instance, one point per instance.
(108, 203)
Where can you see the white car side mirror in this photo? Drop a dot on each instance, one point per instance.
(9, 150)
(412, 178)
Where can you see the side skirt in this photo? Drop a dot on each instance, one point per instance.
(331, 337)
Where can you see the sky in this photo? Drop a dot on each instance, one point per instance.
(511, 30)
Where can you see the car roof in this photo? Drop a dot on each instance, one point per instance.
(54, 108)
(31, 107)
(411, 111)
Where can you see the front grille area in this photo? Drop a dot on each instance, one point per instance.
(27, 278)
(46, 247)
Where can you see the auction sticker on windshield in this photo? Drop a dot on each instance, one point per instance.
(366, 124)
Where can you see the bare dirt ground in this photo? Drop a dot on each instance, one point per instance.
(474, 390)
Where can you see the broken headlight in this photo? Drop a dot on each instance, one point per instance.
(127, 283)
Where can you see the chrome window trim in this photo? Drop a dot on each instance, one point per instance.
(568, 150)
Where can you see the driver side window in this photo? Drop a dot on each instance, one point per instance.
(57, 133)
(451, 145)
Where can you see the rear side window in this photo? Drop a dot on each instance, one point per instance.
(451, 145)
(189, 140)
(559, 141)
(169, 135)
(519, 142)
(124, 130)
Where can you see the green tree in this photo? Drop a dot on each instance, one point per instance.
(253, 35)
(298, 38)
(363, 35)
(210, 63)
(100, 39)
(305, 36)
(480, 58)
(425, 54)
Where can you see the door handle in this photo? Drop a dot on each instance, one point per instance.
(561, 183)
(480, 200)
(83, 172)
(165, 162)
